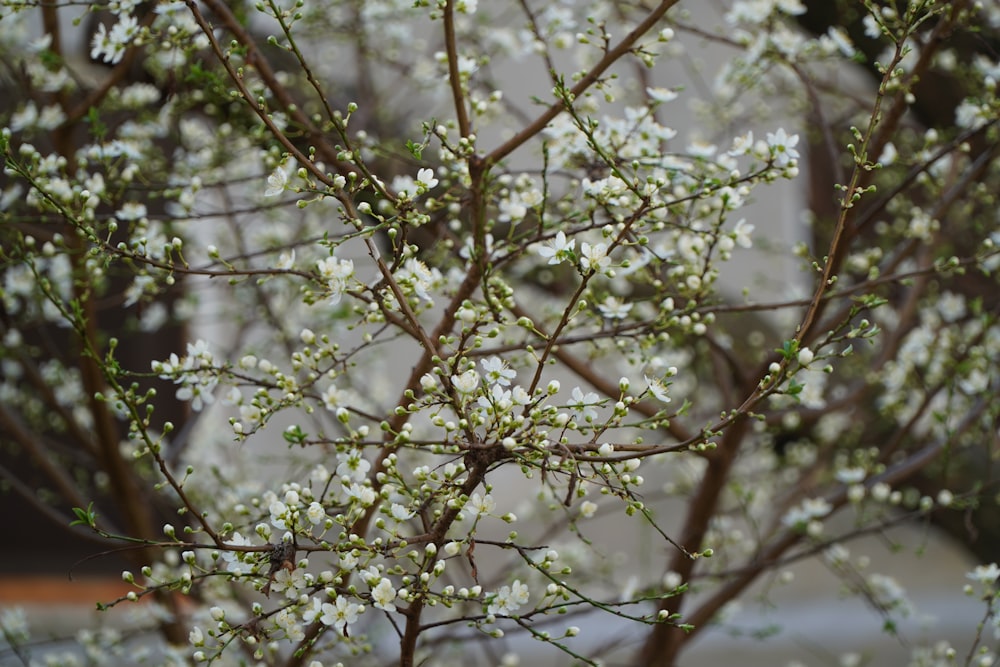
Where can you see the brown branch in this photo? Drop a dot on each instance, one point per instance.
(895, 475)
(610, 58)
(28, 442)
(665, 641)
(454, 76)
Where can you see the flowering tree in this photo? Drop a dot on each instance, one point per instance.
(407, 360)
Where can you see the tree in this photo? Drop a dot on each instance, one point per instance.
(416, 340)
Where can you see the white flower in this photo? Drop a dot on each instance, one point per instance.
(594, 257)
(14, 623)
(970, 115)
(850, 475)
(336, 273)
(232, 558)
(276, 182)
(806, 356)
(425, 180)
(313, 611)
(509, 599)
(838, 37)
(404, 186)
(888, 594)
(315, 513)
(657, 388)
(353, 465)
(482, 504)
(400, 512)
(333, 397)
(837, 554)
(51, 117)
(497, 372)
(285, 619)
(811, 508)
(985, 574)
(281, 515)
(497, 401)
(614, 308)
(741, 234)
(587, 509)
(583, 404)
(742, 145)
(365, 495)
(467, 382)
(110, 47)
(419, 277)
(782, 147)
(558, 249)
(341, 614)
(251, 414)
(951, 306)
(513, 207)
(26, 117)
(199, 394)
(383, 596)
(661, 94)
(428, 382)
(872, 28)
(292, 582)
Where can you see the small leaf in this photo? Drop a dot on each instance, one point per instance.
(85, 517)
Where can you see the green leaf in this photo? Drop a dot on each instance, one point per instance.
(416, 150)
(85, 517)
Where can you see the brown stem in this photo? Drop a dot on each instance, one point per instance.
(267, 74)
(586, 372)
(28, 442)
(665, 641)
(611, 57)
(895, 475)
(454, 76)
(477, 473)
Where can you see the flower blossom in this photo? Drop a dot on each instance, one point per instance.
(741, 234)
(985, 574)
(232, 558)
(782, 147)
(276, 182)
(558, 249)
(583, 404)
(383, 596)
(613, 308)
(336, 273)
(497, 401)
(497, 371)
(353, 465)
(657, 388)
(425, 180)
(110, 47)
(341, 614)
(594, 257)
(467, 382)
(483, 504)
(509, 599)
(811, 508)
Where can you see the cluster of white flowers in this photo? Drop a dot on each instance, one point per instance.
(196, 373)
(438, 341)
(110, 46)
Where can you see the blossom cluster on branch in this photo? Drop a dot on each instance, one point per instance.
(372, 352)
